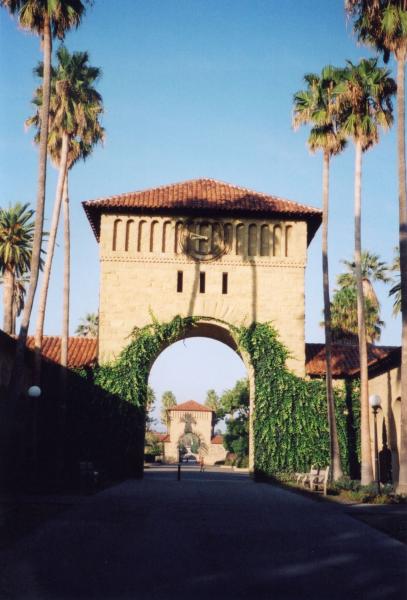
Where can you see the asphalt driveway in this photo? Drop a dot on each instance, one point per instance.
(214, 535)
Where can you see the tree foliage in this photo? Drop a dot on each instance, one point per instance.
(345, 318)
(381, 24)
(317, 105)
(234, 405)
(395, 290)
(373, 270)
(89, 326)
(168, 400)
(16, 239)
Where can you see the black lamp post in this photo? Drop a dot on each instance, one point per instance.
(375, 402)
(34, 392)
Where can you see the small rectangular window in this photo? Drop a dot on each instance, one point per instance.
(180, 281)
(224, 283)
(202, 283)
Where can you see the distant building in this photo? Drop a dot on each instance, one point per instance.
(191, 433)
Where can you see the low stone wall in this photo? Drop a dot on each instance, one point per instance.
(73, 421)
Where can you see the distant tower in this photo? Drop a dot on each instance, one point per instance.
(192, 423)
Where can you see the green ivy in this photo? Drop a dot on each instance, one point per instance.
(290, 416)
(290, 419)
(127, 377)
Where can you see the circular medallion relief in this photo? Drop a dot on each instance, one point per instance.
(203, 240)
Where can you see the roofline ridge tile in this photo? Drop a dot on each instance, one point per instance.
(194, 181)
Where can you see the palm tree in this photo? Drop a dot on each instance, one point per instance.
(383, 24)
(344, 313)
(75, 108)
(18, 299)
(373, 269)
(365, 100)
(396, 289)
(47, 19)
(318, 105)
(16, 239)
(89, 327)
(19, 292)
(168, 400)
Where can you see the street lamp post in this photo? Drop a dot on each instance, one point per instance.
(179, 464)
(34, 392)
(375, 402)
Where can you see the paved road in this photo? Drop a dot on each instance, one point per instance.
(214, 535)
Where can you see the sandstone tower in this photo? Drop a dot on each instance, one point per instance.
(202, 248)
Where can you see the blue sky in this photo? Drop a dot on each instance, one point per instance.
(200, 88)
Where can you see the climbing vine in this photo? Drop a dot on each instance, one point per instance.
(290, 419)
(127, 377)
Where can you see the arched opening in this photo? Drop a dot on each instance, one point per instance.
(288, 240)
(166, 237)
(141, 236)
(129, 234)
(116, 234)
(264, 240)
(154, 236)
(197, 370)
(240, 240)
(252, 240)
(277, 240)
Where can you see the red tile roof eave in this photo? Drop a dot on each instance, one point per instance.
(201, 196)
(82, 352)
(348, 358)
(191, 406)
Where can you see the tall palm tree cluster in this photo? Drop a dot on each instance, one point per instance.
(353, 103)
(67, 121)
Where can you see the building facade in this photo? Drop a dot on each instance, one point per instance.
(202, 248)
(191, 435)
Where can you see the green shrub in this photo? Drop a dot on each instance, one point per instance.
(346, 483)
(242, 462)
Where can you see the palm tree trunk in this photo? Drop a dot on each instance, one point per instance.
(402, 483)
(39, 213)
(67, 255)
(335, 457)
(51, 245)
(65, 334)
(11, 434)
(8, 293)
(366, 455)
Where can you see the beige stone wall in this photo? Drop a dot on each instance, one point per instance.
(140, 259)
(388, 387)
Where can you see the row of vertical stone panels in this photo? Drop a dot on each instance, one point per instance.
(165, 236)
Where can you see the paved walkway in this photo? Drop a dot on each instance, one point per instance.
(213, 535)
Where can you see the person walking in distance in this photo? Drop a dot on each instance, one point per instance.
(202, 463)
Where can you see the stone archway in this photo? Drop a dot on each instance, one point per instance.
(212, 328)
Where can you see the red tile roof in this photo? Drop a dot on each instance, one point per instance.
(201, 195)
(161, 437)
(82, 352)
(191, 405)
(345, 358)
(217, 439)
